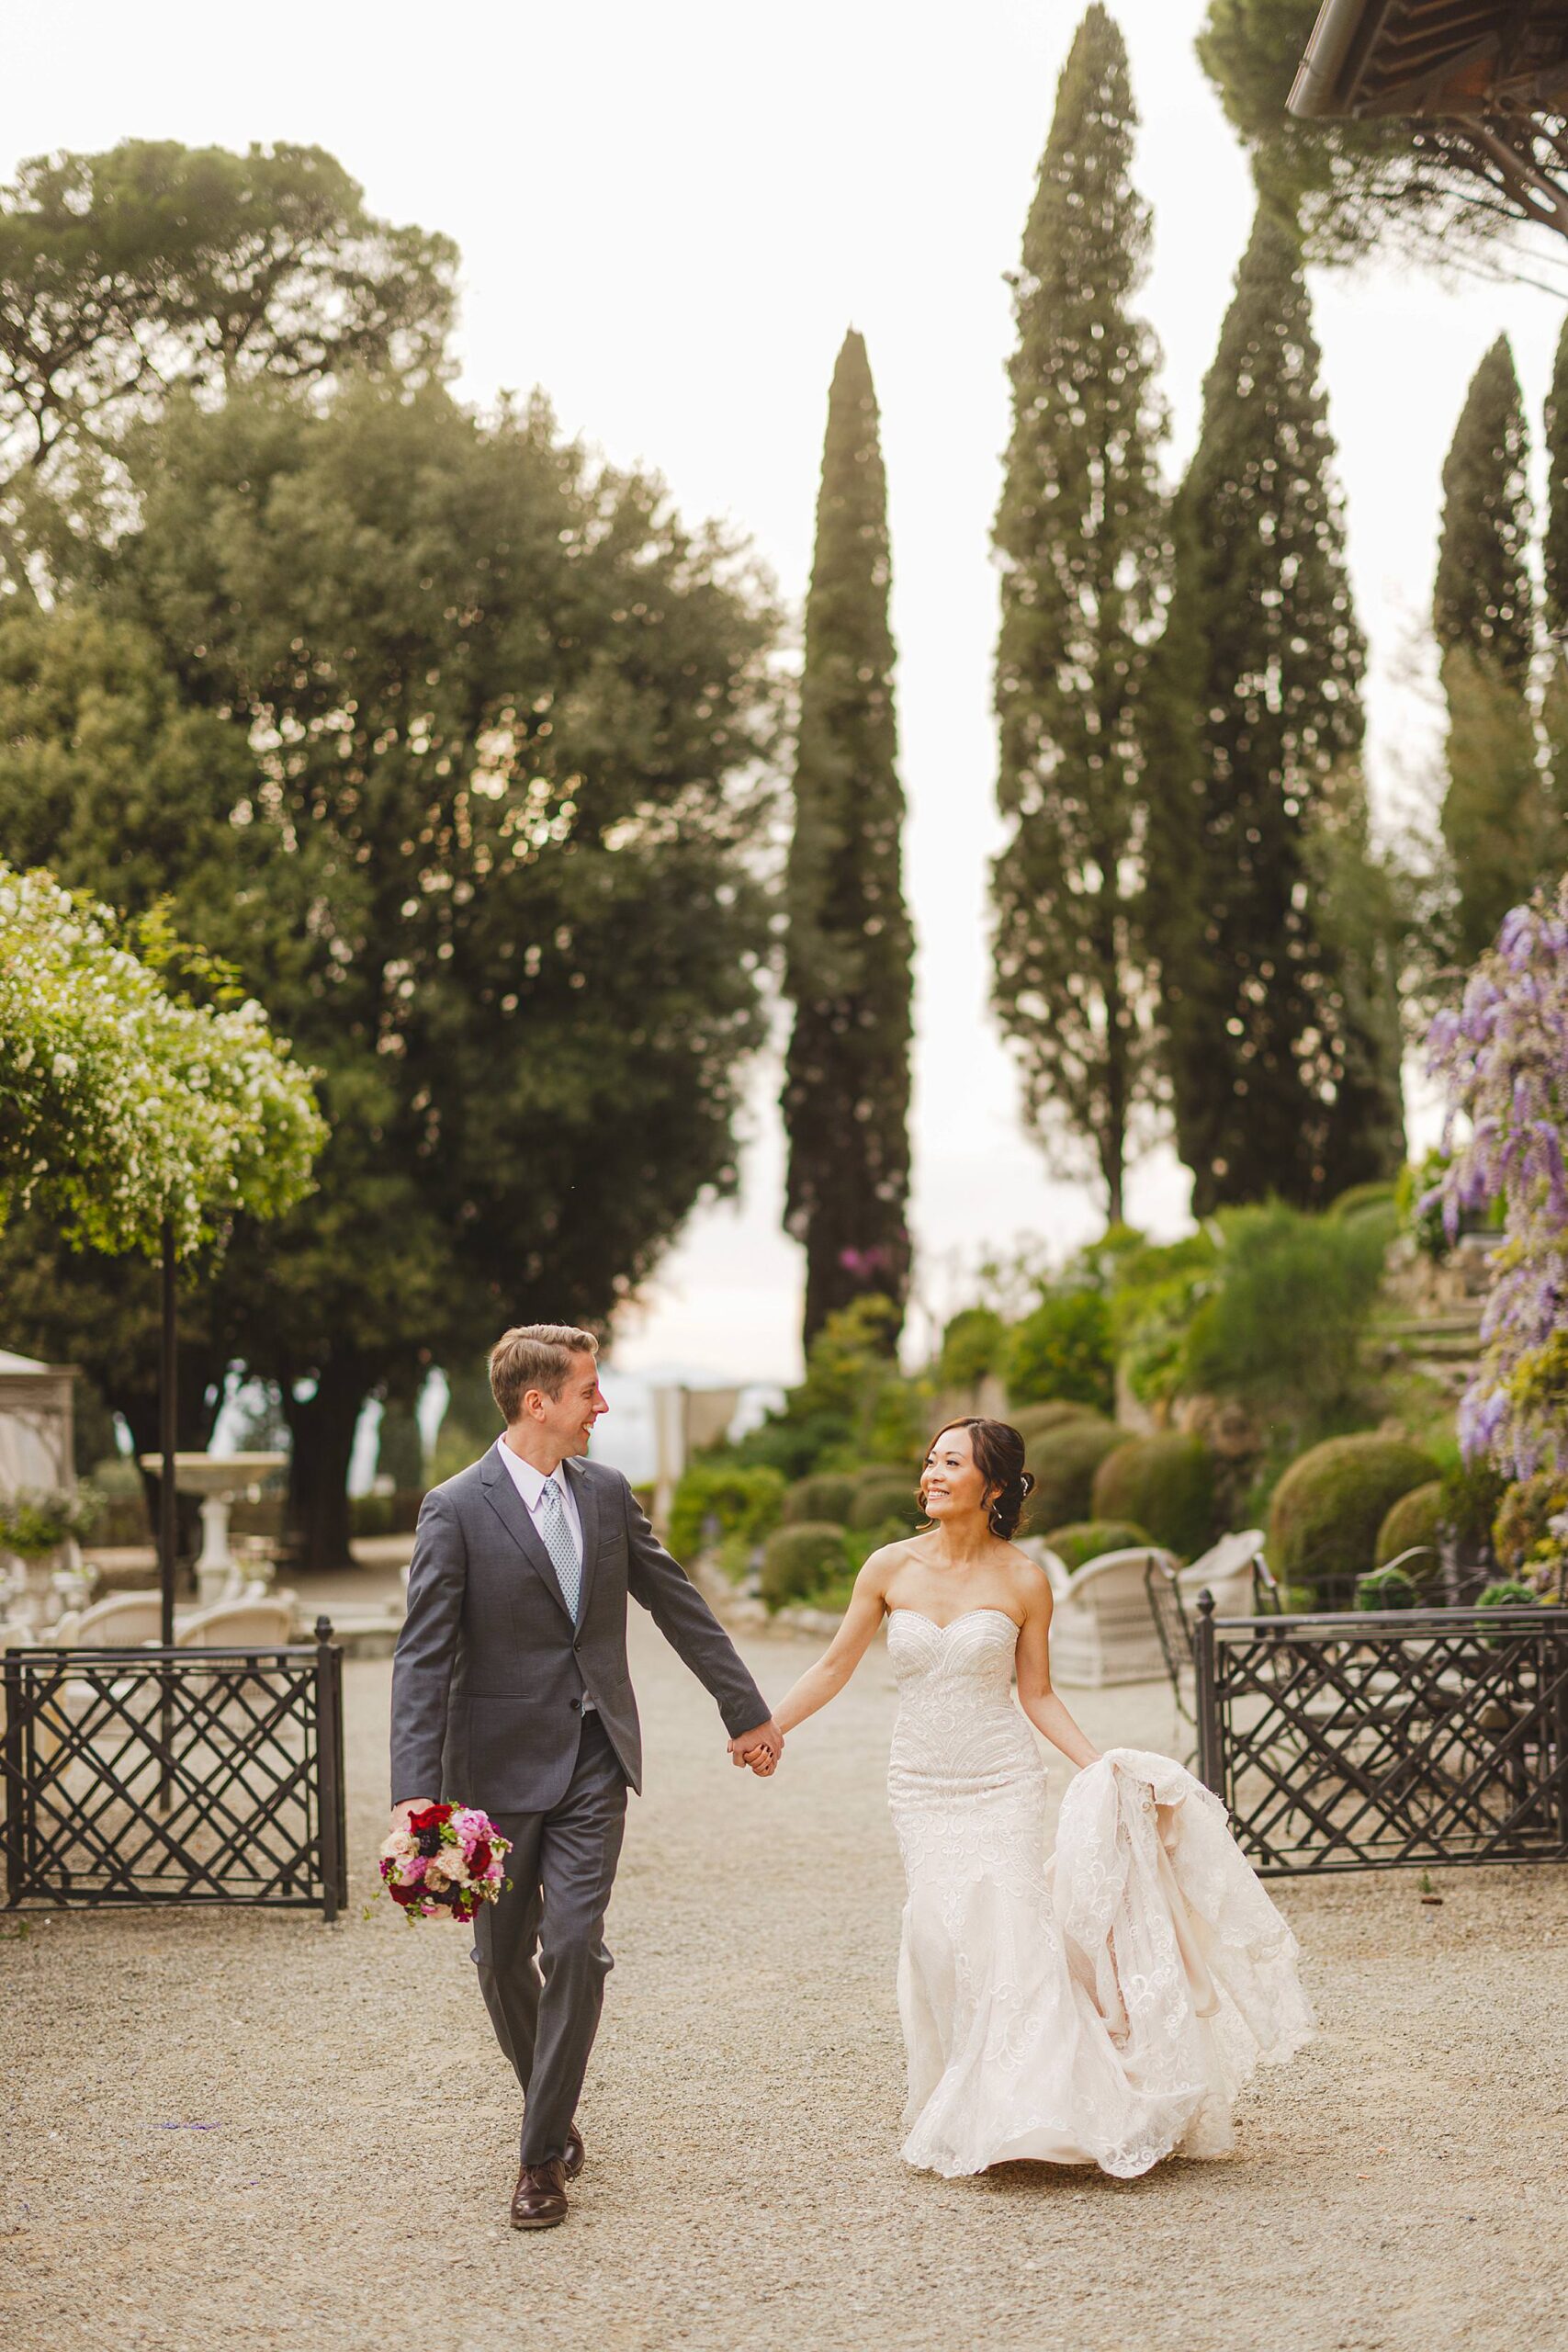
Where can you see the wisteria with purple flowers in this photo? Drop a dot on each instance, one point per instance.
(1502, 1059)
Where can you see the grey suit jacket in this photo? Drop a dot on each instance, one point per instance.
(490, 1671)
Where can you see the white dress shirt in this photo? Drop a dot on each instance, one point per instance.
(531, 1483)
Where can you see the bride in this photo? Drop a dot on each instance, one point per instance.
(1100, 2007)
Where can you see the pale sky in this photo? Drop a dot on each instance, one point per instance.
(668, 218)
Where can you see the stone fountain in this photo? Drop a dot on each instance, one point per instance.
(221, 1480)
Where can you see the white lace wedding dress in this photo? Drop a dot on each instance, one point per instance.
(1103, 2007)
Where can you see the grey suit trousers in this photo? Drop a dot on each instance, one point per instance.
(540, 1948)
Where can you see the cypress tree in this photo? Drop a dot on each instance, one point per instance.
(1280, 1082)
(1081, 533)
(1554, 551)
(1484, 616)
(1482, 599)
(846, 1097)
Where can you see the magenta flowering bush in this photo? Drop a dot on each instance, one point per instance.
(1503, 1061)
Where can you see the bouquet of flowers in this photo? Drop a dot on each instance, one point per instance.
(448, 1862)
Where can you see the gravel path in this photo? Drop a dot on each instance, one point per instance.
(250, 2129)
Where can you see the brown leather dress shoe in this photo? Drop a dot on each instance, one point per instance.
(576, 2155)
(538, 2201)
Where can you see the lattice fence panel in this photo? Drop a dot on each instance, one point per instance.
(1370, 1741)
(174, 1776)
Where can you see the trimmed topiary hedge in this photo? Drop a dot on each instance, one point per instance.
(883, 1495)
(825, 1495)
(797, 1561)
(1415, 1518)
(1034, 1420)
(1064, 1463)
(1330, 1504)
(1164, 1483)
(1088, 1538)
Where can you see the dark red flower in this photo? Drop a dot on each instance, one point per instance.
(478, 1860)
(405, 1894)
(429, 1816)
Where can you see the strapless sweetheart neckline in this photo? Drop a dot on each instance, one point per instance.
(902, 1612)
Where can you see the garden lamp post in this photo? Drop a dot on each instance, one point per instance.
(168, 1523)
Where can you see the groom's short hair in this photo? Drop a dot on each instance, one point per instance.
(533, 1355)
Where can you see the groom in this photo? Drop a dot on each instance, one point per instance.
(509, 1692)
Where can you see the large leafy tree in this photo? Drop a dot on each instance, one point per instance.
(475, 824)
(1425, 186)
(846, 1097)
(1493, 819)
(1084, 544)
(125, 273)
(1278, 1085)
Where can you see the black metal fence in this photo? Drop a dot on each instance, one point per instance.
(1370, 1741)
(176, 1776)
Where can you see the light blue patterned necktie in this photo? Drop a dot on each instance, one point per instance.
(560, 1545)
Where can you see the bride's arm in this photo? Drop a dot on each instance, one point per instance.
(1035, 1696)
(844, 1652)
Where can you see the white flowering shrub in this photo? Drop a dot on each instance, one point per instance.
(121, 1106)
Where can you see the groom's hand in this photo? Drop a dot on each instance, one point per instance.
(410, 1805)
(760, 1748)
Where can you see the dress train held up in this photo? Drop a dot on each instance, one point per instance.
(1105, 2007)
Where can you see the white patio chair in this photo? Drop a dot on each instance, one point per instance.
(122, 1621)
(255, 1621)
(1225, 1569)
(1104, 1631)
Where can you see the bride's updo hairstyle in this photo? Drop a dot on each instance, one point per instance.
(999, 1457)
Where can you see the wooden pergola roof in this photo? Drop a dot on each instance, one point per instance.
(1454, 59)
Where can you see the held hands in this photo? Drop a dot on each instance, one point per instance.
(760, 1748)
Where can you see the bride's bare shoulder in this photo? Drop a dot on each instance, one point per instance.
(1030, 1581)
(883, 1565)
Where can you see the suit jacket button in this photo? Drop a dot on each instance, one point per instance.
(577, 1706)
